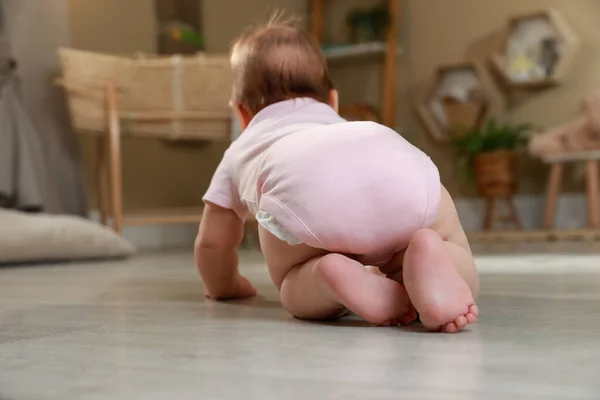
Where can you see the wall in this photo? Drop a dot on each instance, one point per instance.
(158, 175)
(443, 31)
(225, 19)
(113, 26)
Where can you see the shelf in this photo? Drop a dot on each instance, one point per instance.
(560, 235)
(385, 51)
(458, 80)
(533, 84)
(340, 52)
(537, 50)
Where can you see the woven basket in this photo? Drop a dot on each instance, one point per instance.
(496, 173)
(194, 86)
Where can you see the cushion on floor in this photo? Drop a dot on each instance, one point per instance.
(45, 237)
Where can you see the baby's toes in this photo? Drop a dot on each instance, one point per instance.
(409, 317)
(471, 318)
(391, 322)
(450, 327)
(474, 310)
(461, 321)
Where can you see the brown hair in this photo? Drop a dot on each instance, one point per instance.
(276, 62)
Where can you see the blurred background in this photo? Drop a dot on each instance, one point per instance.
(418, 66)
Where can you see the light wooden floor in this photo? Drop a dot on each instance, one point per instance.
(140, 329)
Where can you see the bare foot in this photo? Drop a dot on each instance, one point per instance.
(378, 299)
(440, 295)
(411, 314)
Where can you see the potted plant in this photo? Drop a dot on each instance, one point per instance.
(369, 24)
(489, 154)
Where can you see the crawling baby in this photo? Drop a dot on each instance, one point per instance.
(351, 216)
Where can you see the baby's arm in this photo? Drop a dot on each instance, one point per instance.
(221, 232)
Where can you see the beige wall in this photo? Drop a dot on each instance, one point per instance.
(451, 30)
(113, 26)
(435, 31)
(225, 19)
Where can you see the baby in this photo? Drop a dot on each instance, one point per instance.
(334, 199)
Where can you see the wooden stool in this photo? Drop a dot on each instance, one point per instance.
(555, 178)
(491, 215)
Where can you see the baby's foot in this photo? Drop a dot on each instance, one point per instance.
(410, 316)
(378, 299)
(440, 295)
(460, 322)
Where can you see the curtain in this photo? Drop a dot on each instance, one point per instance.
(21, 170)
(38, 149)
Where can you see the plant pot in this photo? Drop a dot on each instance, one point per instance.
(496, 173)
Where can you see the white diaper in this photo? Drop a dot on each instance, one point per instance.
(269, 222)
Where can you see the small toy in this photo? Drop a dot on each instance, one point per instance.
(182, 32)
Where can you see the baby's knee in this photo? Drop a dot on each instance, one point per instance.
(333, 259)
(425, 239)
(328, 265)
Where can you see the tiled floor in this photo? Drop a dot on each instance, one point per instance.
(140, 329)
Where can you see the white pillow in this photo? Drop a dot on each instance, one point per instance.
(26, 237)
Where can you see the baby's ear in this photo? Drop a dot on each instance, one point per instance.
(242, 115)
(334, 100)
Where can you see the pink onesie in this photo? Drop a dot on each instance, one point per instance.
(309, 176)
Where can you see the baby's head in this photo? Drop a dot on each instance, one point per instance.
(275, 62)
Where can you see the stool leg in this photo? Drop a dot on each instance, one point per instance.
(514, 215)
(592, 193)
(556, 172)
(490, 213)
(102, 178)
(114, 136)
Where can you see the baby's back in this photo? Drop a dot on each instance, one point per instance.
(349, 187)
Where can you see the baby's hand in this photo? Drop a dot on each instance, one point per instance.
(240, 289)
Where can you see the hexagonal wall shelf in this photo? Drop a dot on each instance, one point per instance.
(461, 97)
(537, 50)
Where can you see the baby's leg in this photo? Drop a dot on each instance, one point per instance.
(439, 272)
(320, 286)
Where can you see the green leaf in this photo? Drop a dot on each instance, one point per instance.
(491, 137)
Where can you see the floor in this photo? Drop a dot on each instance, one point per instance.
(140, 329)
